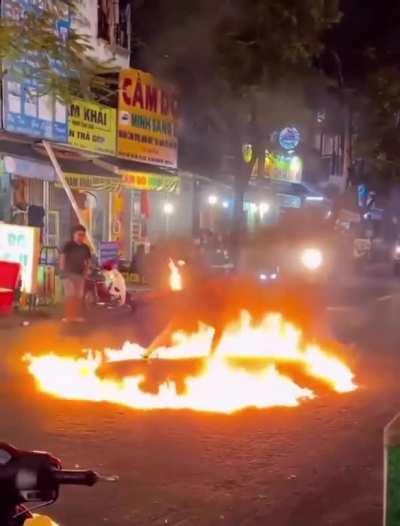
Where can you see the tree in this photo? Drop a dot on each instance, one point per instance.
(242, 64)
(32, 47)
(366, 41)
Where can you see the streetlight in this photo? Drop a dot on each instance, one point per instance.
(168, 210)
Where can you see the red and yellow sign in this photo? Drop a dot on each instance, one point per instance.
(147, 119)
(148, 181)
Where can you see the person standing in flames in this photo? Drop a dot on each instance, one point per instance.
(74, 266)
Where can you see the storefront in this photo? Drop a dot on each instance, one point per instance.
(115, 171)
(118, 200)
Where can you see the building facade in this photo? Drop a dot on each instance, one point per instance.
(119, 198)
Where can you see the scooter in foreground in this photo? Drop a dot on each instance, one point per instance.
(30, 480)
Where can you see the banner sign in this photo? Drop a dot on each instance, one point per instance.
(93, 182)
(92, 127)
(147, 119)
(146, 181)
(21, 244)
(130, 180)
(24, 111)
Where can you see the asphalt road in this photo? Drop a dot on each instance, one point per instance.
(319, 463)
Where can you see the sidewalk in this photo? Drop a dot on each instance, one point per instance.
(27, 318)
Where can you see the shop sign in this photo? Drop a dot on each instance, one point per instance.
(23, 110)
(289, 138)
(92, 127)
(21, 244)
(92, 182)
(148, 181)
(247, 151)
(147, 119)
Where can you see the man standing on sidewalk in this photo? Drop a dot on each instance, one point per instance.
(74, 265)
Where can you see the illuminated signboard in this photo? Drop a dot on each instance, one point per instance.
(148, 119)
(21, 244)
(289, 138)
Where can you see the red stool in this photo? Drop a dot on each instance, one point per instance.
(9, 279)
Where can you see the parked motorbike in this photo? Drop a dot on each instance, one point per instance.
(30, 480)
(106, 287)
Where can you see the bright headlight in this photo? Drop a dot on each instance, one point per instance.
(312, 258)
(397, 250)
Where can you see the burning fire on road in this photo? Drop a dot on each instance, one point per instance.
(175, 277)
(260, 364)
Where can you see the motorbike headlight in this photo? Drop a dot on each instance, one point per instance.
(264, 276)
(312, 258)
(397, 250)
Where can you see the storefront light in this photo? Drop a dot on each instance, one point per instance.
(169, 209)
(295, 168)
(264, 208)
(212, 199)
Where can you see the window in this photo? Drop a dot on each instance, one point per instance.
(114, 22)
(53, 228)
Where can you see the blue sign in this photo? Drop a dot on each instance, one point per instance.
(109, 251)
(23, 110)
(289, 138)
(362, 193)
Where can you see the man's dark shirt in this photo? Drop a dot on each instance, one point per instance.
(76, 257)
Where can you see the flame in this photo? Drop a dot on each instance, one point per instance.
(222, 385)
(175, 278)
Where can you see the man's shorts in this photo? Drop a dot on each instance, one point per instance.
(74, 286)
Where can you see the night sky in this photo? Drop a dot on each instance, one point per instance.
(367, 24)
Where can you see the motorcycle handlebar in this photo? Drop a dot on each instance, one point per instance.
(75, 477)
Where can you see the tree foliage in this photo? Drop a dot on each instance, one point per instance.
(368, 45)
(31, 48)
(241, 66)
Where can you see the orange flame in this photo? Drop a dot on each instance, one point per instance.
(175, 278)
(221, 386)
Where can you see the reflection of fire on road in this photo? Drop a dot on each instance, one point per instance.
(249, 368)
(175, 278)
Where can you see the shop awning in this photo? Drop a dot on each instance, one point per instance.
(28, 158)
